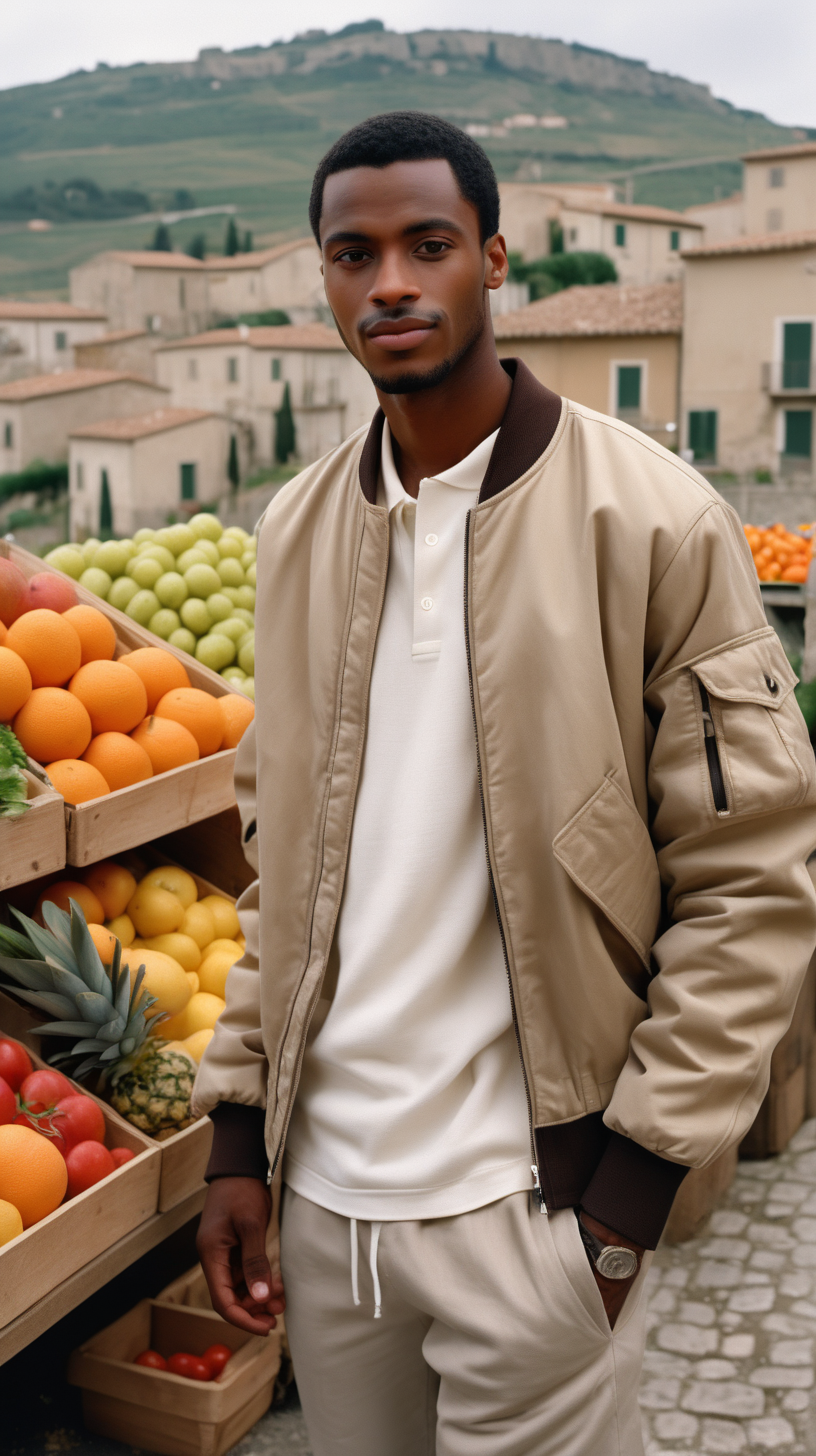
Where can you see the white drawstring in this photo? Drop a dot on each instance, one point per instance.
(372, 1261)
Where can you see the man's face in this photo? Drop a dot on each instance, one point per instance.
(406, 270)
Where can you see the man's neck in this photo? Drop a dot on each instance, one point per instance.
(436, 428)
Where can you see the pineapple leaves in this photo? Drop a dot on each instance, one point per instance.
(90, 965)
(57, 921)
(47, 944)
(94, 1007)
(47, 1001)
(14, 943)
(63, 1028)
(36, 975)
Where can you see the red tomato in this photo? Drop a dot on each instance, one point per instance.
(121, 1155)
(79, 1119)
(152, 1359)
(46, 1086)
(8, 1102)
(42, 1124)
(86, 1164)
(190, 1366)
(215, 1358)
(15, 1063)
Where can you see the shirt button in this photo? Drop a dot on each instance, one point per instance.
(431, 539)
(426, 603)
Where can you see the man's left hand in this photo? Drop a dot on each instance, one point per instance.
(613, 1291)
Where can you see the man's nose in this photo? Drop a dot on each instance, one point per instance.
(394, 283)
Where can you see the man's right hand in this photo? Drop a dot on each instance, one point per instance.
(232, 1249)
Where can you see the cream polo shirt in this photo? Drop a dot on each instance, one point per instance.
(411, 1102)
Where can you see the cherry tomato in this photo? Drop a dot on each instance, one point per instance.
(87, 1163)
(45, 1086)
(215, 1358)
(152, 1359)
(190, 1366)
(39, 1117)
(121, 1155)
(79, 1119)
(15, 1063)
(8, 1102)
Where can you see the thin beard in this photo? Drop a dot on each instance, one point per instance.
(415, 383)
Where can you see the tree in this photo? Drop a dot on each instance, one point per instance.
(105, 509)
(233, 471)
(162, 242)
(561, 270)
(232, 243)
(284, 429)
(197, 247)
(247, 246)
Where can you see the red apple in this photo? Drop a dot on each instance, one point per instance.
(13, 592)
(46, 589)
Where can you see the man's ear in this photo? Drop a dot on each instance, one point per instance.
(496, 264)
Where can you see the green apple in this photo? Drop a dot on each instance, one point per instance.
(245, 616)
(215, 651)
(248, 687)
(165, 558)
(209, 551)
(233, 675)
(122, 592)
(231, 592)
(248, 559)
(228, 547)
(194, 615)
(233, 628)
(238, 532)
(127, 545)
(89, 549)
(202, 581)
(246, 598)
(250, 574)
(142, 607)
(194, 557)
(219, 607)
(111, 557)
(248, 635)
(184, 639)
(171, 589)
(176, 538)
(164, 622)
(95, 580)
(145, 571)
(68, 559)
(246, 658)
(146, 533)
(230, 571)
(207, 525)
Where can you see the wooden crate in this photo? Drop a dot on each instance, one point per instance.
(34, 842)
(190, 1290)
(157, 1411)
(49, 1252)
(159, 805)
(697, 1197)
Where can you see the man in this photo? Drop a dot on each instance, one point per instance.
(529, 799)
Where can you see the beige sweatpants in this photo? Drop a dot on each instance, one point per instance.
(492, 1340)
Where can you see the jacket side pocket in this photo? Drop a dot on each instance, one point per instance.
(607, 852)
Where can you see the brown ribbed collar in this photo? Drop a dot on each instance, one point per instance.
(529, 423)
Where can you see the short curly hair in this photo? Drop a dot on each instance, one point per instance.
(412, 136)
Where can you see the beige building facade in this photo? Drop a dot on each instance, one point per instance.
(37, 415)
(164, 293)
(286, 277)
(612, 347)
(38, 337)
(129, 349)
(242, 373)
(164, 463)
(780, 190)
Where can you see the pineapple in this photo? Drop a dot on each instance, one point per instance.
(59, 970)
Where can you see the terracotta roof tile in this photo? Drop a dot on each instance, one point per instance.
(258, 259)
(761, 243)
(633, 212)
(13, 308)
(67, 380)
(116, 336)
(135, 427)
(278, 336)
(598, 309)
(148, 259)
(773, 154)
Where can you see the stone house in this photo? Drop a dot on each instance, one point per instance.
(287, 276)
(165, 293)
(38, 337)
(128, 349)
(780, 189)
(38, 414)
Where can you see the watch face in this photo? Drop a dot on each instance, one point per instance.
(616, 1263)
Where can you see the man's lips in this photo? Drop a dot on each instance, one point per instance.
(399, 335)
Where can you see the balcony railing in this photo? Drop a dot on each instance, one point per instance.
(789, 377)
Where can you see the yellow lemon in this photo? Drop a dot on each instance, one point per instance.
(199, 923)
(241, 940)
(197, 1044)
(226, 916)
(164, 979)
(192, 977)
(176, 881)
(11, 1224)
(214, 969)
(181, 947)
(200, 1014)
(154, 911)
(222, 944)
(123, 928)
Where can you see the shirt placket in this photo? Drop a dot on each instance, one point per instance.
(429, 554)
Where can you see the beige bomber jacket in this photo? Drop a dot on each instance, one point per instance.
(648, 792)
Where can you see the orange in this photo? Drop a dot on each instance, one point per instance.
(96, 633)
(3, 633)
(48, 644)
(113, 886)
(104, 941)
(159, 670)
(196, 711)
(53, 724)
(33, 1175)
(113, 693)
(77, 781)
(167, 744)
(120, 761)
(15, 684)
(237, 713)
(64, 890)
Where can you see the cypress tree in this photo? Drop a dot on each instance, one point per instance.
(247, 241)
(233, 472)
(197, 247)
(105, 509)
(284, 429)
(162, 242)
(232, 244)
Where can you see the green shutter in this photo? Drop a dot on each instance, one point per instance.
(674, 240)
(620, 234)
(629, 387)
(276, 368)
(797, 348)
(702, 434)
(188, 481)
(799, 433)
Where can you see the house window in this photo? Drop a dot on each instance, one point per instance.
(702, 434)
(776, 176)
(232, 371)
(192, 369)
(276, 368)
(182, 294)
(620, 234)
(799, 434)
(60, 341)
(80, 476)
(188, 481)
(674, 240)
(774, 220)
(8, 435)
(629, 388)
(797, 348)
(572, 235)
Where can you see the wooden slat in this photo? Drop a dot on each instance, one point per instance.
(33, 843)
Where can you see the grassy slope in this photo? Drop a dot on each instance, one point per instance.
(254, 142)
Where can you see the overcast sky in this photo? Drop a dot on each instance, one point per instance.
(759, 54)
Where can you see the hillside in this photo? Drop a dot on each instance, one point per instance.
(246, 127)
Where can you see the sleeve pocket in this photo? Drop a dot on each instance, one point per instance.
(607, 852)
(753, 731)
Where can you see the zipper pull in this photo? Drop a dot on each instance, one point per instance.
(537, 1193)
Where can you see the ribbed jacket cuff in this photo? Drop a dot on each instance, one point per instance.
(632, 1191)
(238, 1146)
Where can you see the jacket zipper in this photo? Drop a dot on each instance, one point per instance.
(712, 749)
(537, 1189)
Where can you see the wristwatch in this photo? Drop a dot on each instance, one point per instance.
(611, 1260)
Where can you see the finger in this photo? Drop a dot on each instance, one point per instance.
(254, 1262)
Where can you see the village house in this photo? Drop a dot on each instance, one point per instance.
(243, 373)
(38, 337)
(38, 414)
(143, 469)
(287, 277)
(780, 189)
(129, 349)
(165, 293)
(613, 347)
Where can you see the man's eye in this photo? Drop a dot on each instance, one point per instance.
(351, 255)
(434, 245)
